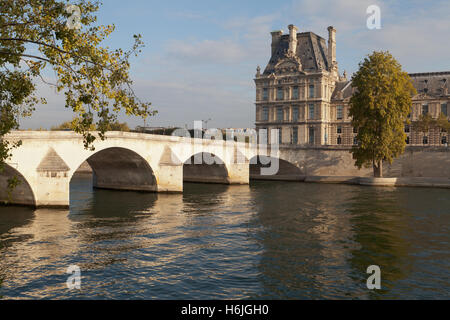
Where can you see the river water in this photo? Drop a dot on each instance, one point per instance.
(269, 240)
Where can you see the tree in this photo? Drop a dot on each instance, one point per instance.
(69, 125)
(118, 126)
(37, 36)
(427, 122)
(379, 109)
(424, 123)
(443, 124)
(113, 126)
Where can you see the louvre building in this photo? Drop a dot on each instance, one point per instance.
(302, 93)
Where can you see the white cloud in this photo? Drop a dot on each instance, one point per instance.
(206, 51)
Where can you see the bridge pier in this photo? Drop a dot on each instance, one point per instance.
(238, 173)
(51, 190)
(170, 178)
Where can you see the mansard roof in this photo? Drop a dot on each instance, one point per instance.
(429, 85)
(342, 91)
(311, 50)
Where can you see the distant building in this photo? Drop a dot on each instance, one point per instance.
(156, 130)
(302, 94)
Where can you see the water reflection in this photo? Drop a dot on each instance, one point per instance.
(274, 240)
(306, 240)
(380, 226)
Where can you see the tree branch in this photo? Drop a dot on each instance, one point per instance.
(25, 55)
(54, 48)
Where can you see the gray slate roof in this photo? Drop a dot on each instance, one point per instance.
(311, 49)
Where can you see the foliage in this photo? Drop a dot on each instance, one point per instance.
(427, 122)
(379, 109)
(424, 123)
(118, 126)
(113, 126)
(443, 123)
(13, 182)
(34, 39)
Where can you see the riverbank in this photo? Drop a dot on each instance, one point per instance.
(429, 182)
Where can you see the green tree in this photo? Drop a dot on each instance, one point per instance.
(118, 126)
(443, 124)
(424, 123)
(37, 36)
(379, 109)
(69, 125)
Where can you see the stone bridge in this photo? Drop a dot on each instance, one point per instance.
(46, 162)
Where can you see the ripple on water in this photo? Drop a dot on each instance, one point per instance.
(269, 240)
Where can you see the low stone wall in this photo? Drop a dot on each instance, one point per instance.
(338, 161)
(421, 162)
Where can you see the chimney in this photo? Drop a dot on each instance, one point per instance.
(276, 36)
(331, 46)
(292, 39)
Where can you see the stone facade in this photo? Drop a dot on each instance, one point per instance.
(301, 93)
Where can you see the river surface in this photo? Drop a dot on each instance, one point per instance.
(269, 240)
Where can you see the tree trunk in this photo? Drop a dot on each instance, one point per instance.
(378, 169)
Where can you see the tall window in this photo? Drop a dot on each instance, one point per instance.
(265, 94)
(295, 114)
(444, 140)
(407, 140)
(355, 141)
(311, 135)
(339, 140)
(265, 114)
(444, 109)
(311, 91)
(295, 135)
(407, 128)
(280, 95)
(339, 129)
(425, 140)
(311, 111)
(279, 136)
(295, 93)
(424, 109)
(280, 114)
(340, 112)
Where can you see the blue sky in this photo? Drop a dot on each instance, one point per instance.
(200, 56)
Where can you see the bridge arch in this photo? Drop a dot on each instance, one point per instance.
(205, 167)
(121, 169)
(286, 169)
(21, 194)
